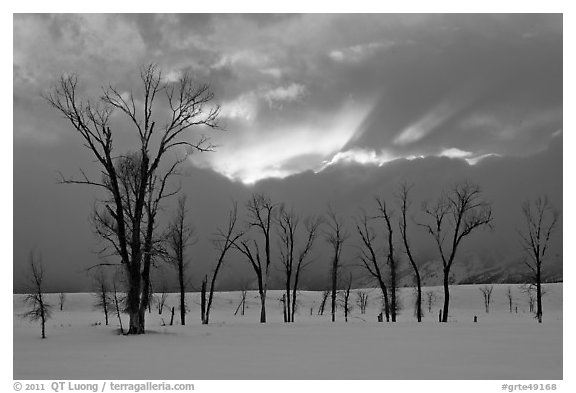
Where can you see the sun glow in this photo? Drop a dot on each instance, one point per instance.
(258, 155)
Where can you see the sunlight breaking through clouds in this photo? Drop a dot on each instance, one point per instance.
(258, 155)
(371, 157)
(428, 123)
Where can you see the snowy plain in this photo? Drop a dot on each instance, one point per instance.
(501, 345)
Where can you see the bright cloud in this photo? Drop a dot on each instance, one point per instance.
(469, 157)
(359, 156)
(260, 155)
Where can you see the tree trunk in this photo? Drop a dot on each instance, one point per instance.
(42, 317)
(288, 304)
(418, 298)
(333, 303)
(182, 292)
(446, 296)
(263, 307)
(294, 291)
(393, 301)
(538, 293)
(172, 317)
(203, 300)
(386, 303)
(134, 301)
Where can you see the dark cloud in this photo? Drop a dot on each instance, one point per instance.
(297, 92)
(53, 218)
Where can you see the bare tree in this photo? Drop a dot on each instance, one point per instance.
(430, 299)
(102, 293)
(61, 300)
(541, 220)
(405, 203)
(180, 236)
(39, 309)
(242, 305)
(336, 235)
(386, 214)
(369, 257)
(128, 214)
(487, 295)
(261, 212)
(362, 301)
(510, 298)
(294, 260)
(454, 216)
(222, 241)
(529, 290)
(161, 297)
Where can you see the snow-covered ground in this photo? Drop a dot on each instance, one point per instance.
(502, 345)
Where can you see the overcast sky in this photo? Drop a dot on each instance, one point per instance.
(316, 109)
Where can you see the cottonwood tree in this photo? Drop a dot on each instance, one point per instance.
(487, 295)
(453, 217)
(180, 236)
(294, 258)
(336, 234)
(404, 199)
(261, 212)
(39, 309)
(223, 240)
(102, 295)
(129, 213)
(369, 257)
(541, 219)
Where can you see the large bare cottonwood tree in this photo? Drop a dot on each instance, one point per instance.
(454, 216)
(159, 128)
(541, 220)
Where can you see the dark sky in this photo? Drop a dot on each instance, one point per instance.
(317, 108)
